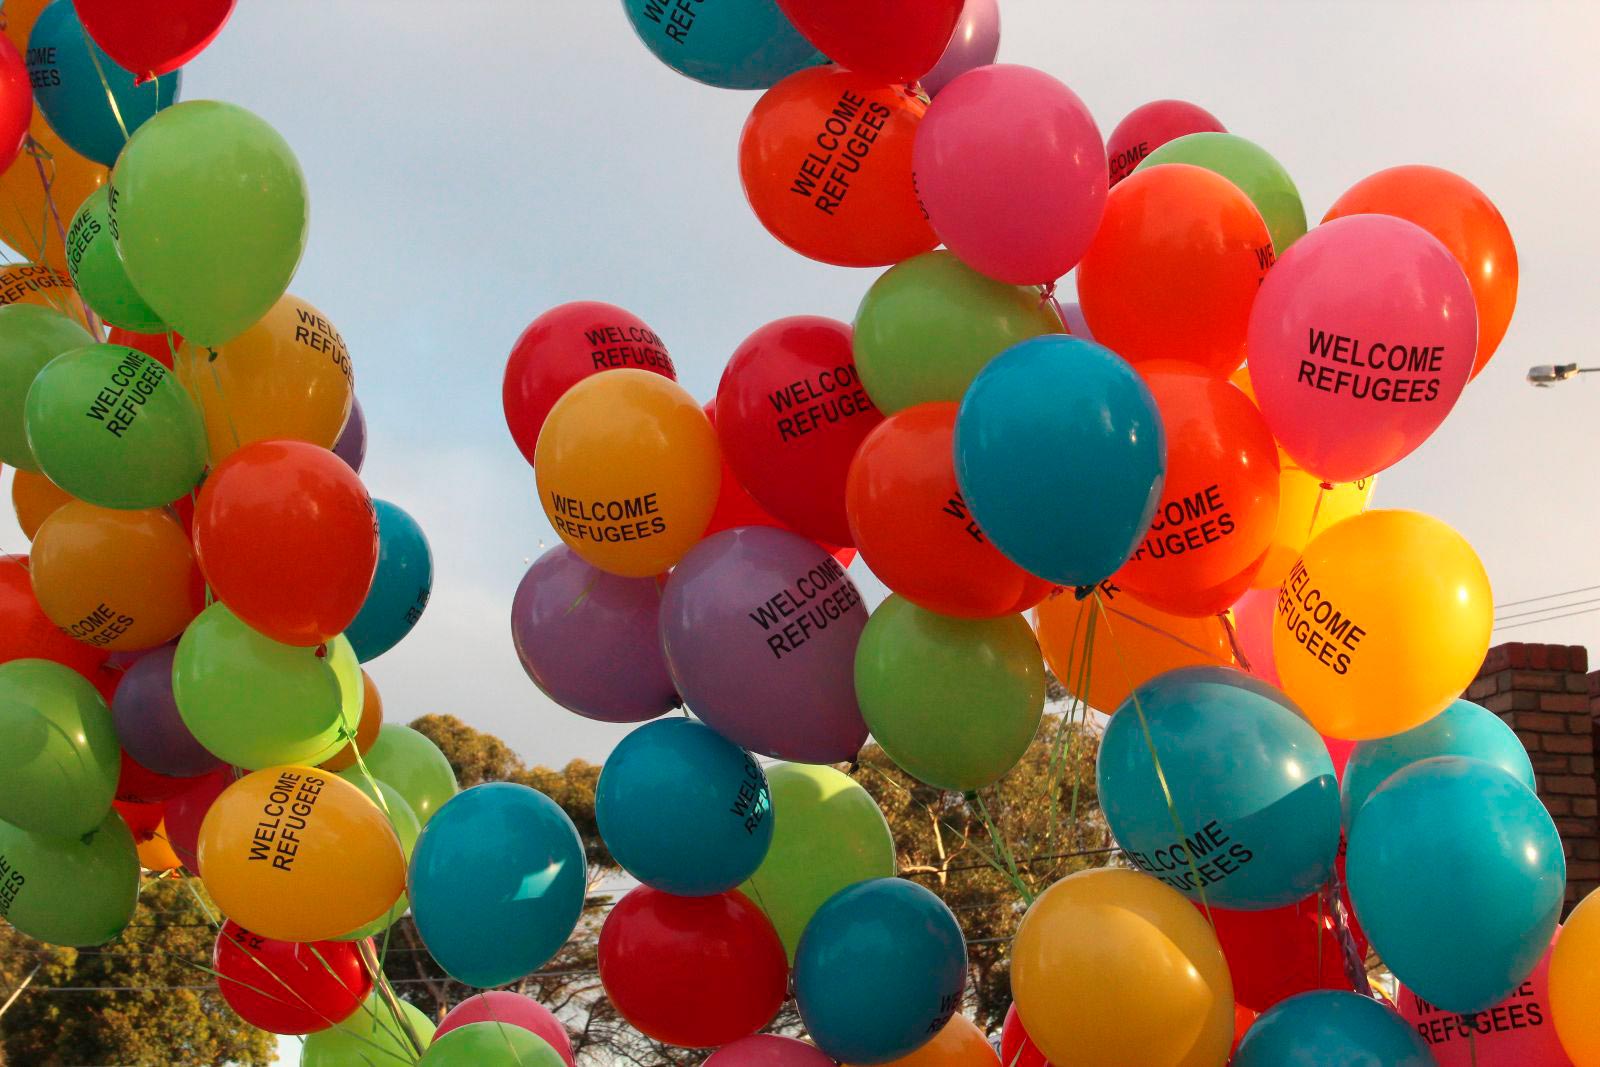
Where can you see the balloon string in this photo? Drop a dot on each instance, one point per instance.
(988, 857)
(111, 98)
(369, 956)
(1047, 295)
(1153, 628)
(1233, 640)
(1355, 969)
(227, 409)
(1316, 508)
(1002, 848)
(47, 181)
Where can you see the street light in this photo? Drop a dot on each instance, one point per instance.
(1546, 375)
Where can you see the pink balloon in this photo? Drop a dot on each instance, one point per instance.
(768, 1050)
(1252, 625)
(1339, 751)
(513, 1009)
(1012, 172)
(1149, 126)
(1360, 343)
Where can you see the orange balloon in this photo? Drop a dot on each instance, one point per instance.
(155, 852)
(29, 283)
(34, 497)
(1174, 268)
(825, 158)
(914, 529)
(1464, 220)
(959, 1043)
(366, 730)
(288, 539)
(117, 580)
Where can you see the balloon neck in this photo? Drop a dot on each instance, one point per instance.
(1327, 486)
(211, 354)
(1082, 592)
(322, 651)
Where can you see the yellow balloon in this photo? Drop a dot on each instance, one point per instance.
(155, 852)
(300, 854)
(34, 498)
(288, 376)
(1111, 968)
(628, 469)
(29, 283)
(1575, 983)
(1381, 624)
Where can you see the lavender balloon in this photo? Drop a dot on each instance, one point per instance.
(974, 43)
(352, 443)
(1077, 325)
(147, 720)
(760, 628)
(588, 639)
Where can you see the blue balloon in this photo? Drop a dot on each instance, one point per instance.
(879, 970)
(1462, 729)
(1061, 455)
(1457, 875)
(1331, 1029)
(400, 586)
(748, 44)
(497, 883)
(68, 85)
(715, 831)
(1251, 781)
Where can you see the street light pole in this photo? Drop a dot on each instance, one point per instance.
(1546, 375)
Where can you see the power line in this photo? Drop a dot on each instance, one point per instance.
(1548, 618)
(1552, 607)
(1547, 596)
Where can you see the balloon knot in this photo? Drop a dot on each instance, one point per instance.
(855, 766)
(322, 651)
(1082, 592)
(970, 796)
(1326, 485)
(212, 358)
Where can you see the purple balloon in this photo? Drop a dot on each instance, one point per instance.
(352, 443)
(588, 639)
(147, 720)
(974, 43)
(769, 1050)
(1077, 325)
(760, 628)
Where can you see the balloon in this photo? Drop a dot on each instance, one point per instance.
(352, 443)
(1305, 509)
(33, 220)
(1518, 1030)
(209, 205)
(407, 760)
(589, 640)
(139, 784)
(16, 104)
(286, 377)
(186, 811)
(1465, 221)
(119, 580)
(489, 1044)
(929, 324)
(497, 883)
(298, 854)
(26, 632)
(505, 1008)
(790, 414)
(152, 38)
(253, 701)
(1149, 126)
(1060, 455)
(828, 834)
(1381, 624)
(693, 971)
(295, 565)
(887, 40)
(366, 730)
(1072, 317)
(768, 1050)
(29, 283)
(370, 1036)
(745, 46)
(628, 472)
(1010, 167)
(974, 43)
(1247, 165)
(959, 1043)
(148, 723)
(142, 819)
(1104, 947)
(58, 750)
(160, 347)
(288, 987)
(1174, 269)
(954, 702)
(400, 586)
(880, 968)
(825, 160)
(76, 890)
(1016, 1047)
(1278, 952)
(759, 627)
(155, 853)
(1574, 981)
(31, 336)
(1253, 616)
(97, 268)
(407, 828)
(1331, 1029)
(717, 829)
(1451, 844)
(34, 498)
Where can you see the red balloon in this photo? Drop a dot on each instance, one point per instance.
(187, 810)
(791, 413)
(27, 633)
(692, 971)
(564, 346)
(289, 987)
(152, 37)
(1277, 953)
(1243, 1018)
(143, 819)
(1016, 1047)
(16, 103)
(158, 346)
(892, 40)
(287, 538)
(1149, 126)
(138, 784)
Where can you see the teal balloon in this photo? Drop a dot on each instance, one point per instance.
(400, 586)
(1462, 729)
(30, 337)
(880, 968)
(59, 755)
(490, 1044)
(1457, 876)
(1331, 1029)
(412, 764)
(1061, 455)
(748, 44)
(98, 271)
(1251, 783)
(497, 883)
(1249, 166)
(69, 890)
(716, 829)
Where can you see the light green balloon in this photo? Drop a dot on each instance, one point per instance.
(406, 828)
(208, 205)
(1249, 166)
(69, 891)
(372, 1037)
(30, 337)
(255, 702)
(410, 763)
(112, 426)
(954, 702)
(931, 323)
(59, 755)
(491, 1044)
(827, 834)
(98, 271)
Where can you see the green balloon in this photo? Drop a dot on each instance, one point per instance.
(954, 702)
(406, 828)
(98, 272)
(30, 337)
(372, 1037)
(59, 755)
(69, 891)
(491, 1044)
(112, 426)
(255, 702)
(827, 834)
(930, 324)
(412, 764)
(1247, 165)
(208, 205)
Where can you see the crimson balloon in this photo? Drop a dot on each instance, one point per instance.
(289, 987)
(152, 37)
(892, 40)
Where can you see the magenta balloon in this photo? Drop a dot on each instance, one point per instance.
(1253, 615)
(974, 43)
(588, 639)
(760, 628)
(1149, 126)
(512, 1009)
(1012, 172)
(769, 1050)
(147, 720)
(352, 443)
